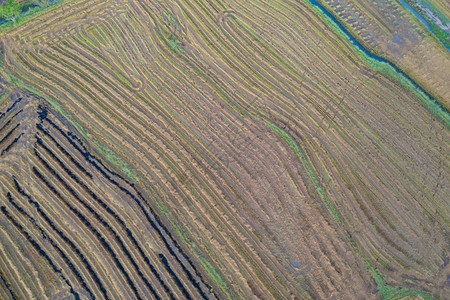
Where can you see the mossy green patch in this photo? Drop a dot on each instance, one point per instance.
(3, 95)
(162, 207)
(170, 18)
(387, 291)
(212, 271)
(12, 11)
(175, 44)
(433, 15)
(391, 292)
(55, 104)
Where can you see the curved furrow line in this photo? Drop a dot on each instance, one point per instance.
(11, 119)
(130, 59)
(104, 56)
(372, 213)
(36, 28)
(37, 248)
(94, 162)
(11, 144)
(323, 238)
(63, 150)
(52, 242)
(238, 51)
(243, 74)
(392, 161)
(106, 225)
(385, 238)
(61, 234)
(348, 189)
(88, 242)
(235, 35)
(141, 125)
(9, 134)
(100, 167)
(312, 85)
(113, 214)
(10, 108)
(88, 224)
(379, 213)
(12, 294)
(11, 245)
(156, 225)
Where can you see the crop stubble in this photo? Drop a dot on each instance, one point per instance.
(183, 91)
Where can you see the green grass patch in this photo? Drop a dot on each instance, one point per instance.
(162, 207)
(170, 18)
(308, 169)
(175, 44)
(11, 10)
(55, 104)
(3, 95)
(391, 292)
(114, 159)
(387, 291)
(441, 34)
(212, 271)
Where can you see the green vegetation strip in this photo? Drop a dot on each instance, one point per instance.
(212, 271)
(308, 169)
(10, 10)
(433, 16)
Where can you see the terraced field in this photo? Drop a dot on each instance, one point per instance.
(82, 224)
(221, 149)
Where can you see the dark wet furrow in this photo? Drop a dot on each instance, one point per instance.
(36, 246)
(101, 168)
(111, 212)
(52, 242)
(89, 225)
(72, 246)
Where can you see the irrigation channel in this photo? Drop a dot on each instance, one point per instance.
(431, 101)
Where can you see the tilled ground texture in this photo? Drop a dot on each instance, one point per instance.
(218, 149)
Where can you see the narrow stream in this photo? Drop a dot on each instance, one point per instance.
(431, 101)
